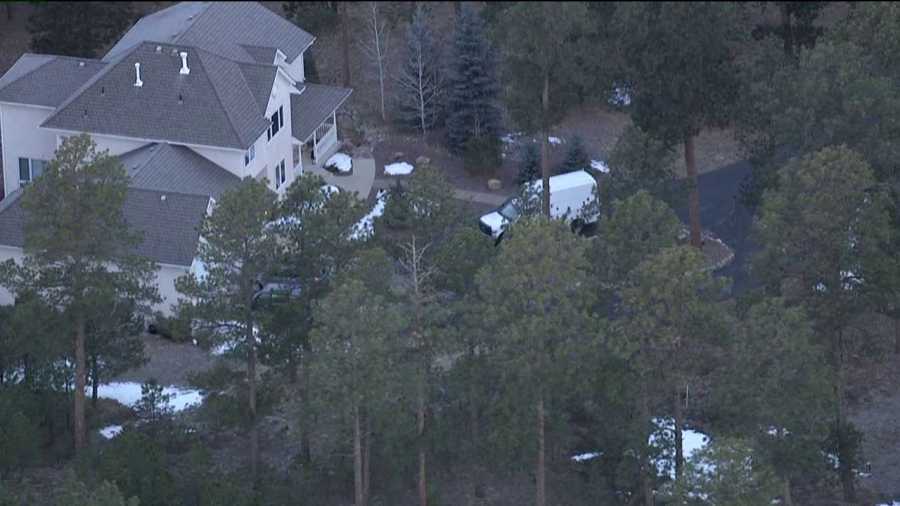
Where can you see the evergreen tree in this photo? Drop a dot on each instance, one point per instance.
(671, 322)
(825, 235)
(538, 313)
(640, 162)
(684, 76)
(542, 67)
(114, 344)
(355, 341)
(530, 166)
(79, 249)
(796, 27)
(76, 493)
(421, 78)
(472, 87)
(238, 249)
(316, 17)
(576, 157)
(77, 29)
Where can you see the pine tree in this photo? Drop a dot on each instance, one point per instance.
(576, 157)
(530, 166)
(421, 78)
(640, 162)
(239, 251)
(77, 29)
(79, 250)
(473, 88)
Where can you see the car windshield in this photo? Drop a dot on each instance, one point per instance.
(510, 209)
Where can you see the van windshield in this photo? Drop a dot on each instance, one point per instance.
(510, 209)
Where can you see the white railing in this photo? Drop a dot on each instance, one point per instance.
(324, 141)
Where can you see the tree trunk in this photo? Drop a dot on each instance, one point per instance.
(844, 458)
(251, 387)
(420, 440)
(679, 439)
(80, 381)
(694, 198)
(541, 495)
(545, 162)
(95, 381)
(345, 42)
(304, 401)
(787, 31)
(897, 335)
(367, 458)
(9, 11)
(786, 493)
(646, 478)
(359, 495)
(475, 435)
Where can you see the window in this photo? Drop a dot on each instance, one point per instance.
(250, 155)
(280, 174)
(29, 169)
(276, 122)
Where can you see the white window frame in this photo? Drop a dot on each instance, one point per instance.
(250, 155)
(31, 175)
(280, 174)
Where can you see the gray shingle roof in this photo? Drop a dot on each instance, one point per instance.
(170, 227)
(168, 168)
(215, 105)
(265, 55)
(46, 80)
(223, 28)
(314, 105)
(260, 79)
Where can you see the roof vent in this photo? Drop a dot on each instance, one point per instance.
(84, 114)
(158, 49)
(81, 64)
(184, 68)
(102, 90)
(162, 198)
(137, 75)
(180, 99)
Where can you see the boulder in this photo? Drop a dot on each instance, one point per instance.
(423, 161)
(494, 184)
(398, 156)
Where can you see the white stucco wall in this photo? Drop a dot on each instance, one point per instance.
(165, 281)
(22, 138)
(295, 69)
(279, 147)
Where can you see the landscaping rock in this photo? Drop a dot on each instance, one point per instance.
(398, 156)
(494, 184)
(423, 161)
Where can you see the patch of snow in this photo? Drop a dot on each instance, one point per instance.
(364, 228)
(777, 431)
(111, 431)
(586, 456)
(398, 169)
(691, 441)
(600, 165)
(198, 269)
(129, 393)
(340, 161)
(222, 348)
(511, 137)
(620, 97)
(554, 140)
(892, 503)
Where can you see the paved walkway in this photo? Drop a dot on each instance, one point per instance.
(360, 181)
(490, 199)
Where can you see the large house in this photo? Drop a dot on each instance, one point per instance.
(192, 99)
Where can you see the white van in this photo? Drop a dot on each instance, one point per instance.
(569, 195)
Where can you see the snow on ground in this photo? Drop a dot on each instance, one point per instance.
(892, 503)
(586, 456)
(129, 393)
(692, 441)
(340, 161)
(600, 165)
(111, 431)
(554, 140)
(364, 228)
(398, 169)
(620, 97)
(511, 137)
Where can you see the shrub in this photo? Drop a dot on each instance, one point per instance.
(530, 167)
(482, 155)
(576, 157)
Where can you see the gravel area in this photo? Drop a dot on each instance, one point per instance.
(170, 363)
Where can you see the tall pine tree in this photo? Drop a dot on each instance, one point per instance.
(473, 87)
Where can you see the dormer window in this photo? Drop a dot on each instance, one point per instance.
(276, 122)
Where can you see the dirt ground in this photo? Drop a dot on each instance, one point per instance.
(170, 363)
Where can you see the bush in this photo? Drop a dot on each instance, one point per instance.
(172, 328)
(576, 157)
(18, 436)
(137, 464)
(530, 167)
(481, 155)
